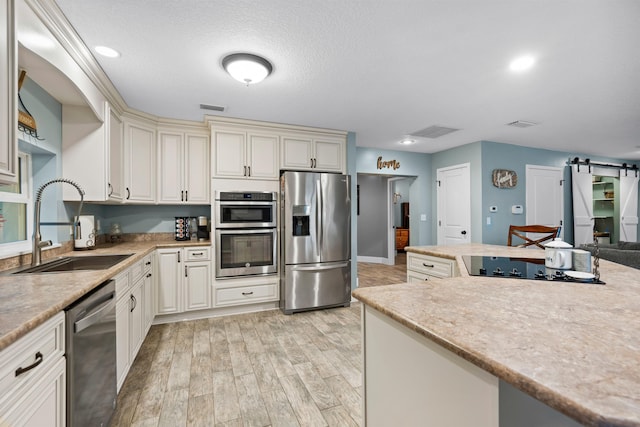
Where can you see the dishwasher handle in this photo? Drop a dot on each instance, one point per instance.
(95, 316)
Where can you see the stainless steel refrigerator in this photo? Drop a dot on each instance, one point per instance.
(316, 241)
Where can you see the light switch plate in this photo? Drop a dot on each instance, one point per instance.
(517, 209)
(423, 217)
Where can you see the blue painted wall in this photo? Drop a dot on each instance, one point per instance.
(421, 193)
(506, 156)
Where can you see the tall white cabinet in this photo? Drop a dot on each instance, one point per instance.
(140, 162)
(8, 94)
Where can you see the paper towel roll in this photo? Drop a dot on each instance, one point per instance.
(581, 260)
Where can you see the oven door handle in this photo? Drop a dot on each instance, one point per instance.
(95, 316)
(330, 266)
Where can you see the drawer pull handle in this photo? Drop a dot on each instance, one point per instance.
(198, 253)
(147, 263)
(149, 275)
(428, 265)
(39, 359)
(247, 293)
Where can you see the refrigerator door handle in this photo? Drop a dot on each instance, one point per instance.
(319, 208)
(330, 266)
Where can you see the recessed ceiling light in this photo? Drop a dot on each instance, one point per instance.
(107, 51)
(522, 63)
(407, 141)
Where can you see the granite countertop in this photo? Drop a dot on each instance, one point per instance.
(28, 300)
(573, 346)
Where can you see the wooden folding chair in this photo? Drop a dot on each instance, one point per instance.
(520, 230)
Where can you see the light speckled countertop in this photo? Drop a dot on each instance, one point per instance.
(573, 346)
(27, 300)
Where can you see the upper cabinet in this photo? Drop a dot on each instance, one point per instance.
(8, 94)
(183, 167)
(139, 161)
(115, 183)
(324, 153)
(245, 153)
(259, 150)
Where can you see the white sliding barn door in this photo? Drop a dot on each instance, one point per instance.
(628, 206)
(583, 221)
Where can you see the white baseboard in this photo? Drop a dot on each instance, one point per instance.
(372, 259)
(215, 312)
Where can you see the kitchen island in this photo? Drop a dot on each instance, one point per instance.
(575, 347)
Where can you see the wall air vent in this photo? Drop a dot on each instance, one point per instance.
(211, 107)
(522, 124)
(433, 132)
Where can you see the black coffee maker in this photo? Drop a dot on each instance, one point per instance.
(203, 228)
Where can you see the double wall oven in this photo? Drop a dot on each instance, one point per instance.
(246, 233)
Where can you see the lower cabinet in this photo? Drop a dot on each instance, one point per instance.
(184, 279)
(246, 291)
(421, 267)
(32, 378)
(134, 313)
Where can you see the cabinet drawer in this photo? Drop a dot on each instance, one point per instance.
(433, 266)
(44, 344)
(201, 253)
(246, 294)
(413, 277)
(122, 283)
(136, 271)
(146, 263)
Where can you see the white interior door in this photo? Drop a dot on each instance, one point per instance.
(544, 197)
(628, 206)
(583, 220)
(454, 205)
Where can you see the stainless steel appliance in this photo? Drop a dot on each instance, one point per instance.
(236, 209)
(91, 357)
(203, 228)
(243, 252)
(246, 233)
(316, 240)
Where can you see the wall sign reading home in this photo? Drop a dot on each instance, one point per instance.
(388, 164)
(504, 178)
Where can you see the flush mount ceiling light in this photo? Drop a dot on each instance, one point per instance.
(522, 63)
(107, 51)
(247, 68)
(407, 141)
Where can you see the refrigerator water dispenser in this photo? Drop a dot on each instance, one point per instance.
(300, 214)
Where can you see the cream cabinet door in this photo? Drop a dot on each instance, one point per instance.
(136, 319)
(169, 281)
(197, 172)
(329, 155)
(116, 158)
(122, 339)
(230, 154)
(140, 161)
(297, 153)
(197, 285)
(262, 156)
(8, 99)
(170, 167)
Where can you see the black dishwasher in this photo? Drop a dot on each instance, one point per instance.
(91, 357)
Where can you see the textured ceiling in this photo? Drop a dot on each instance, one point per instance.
(384, 68)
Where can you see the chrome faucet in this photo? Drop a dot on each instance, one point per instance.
(38, 244)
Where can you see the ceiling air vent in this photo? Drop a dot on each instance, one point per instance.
(433, 132)
(522, 124)
(211, 107)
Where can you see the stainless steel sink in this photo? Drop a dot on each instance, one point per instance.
(77, 263)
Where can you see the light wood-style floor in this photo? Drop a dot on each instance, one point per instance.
(258, 369)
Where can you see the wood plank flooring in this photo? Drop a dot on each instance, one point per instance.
(258, 369)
